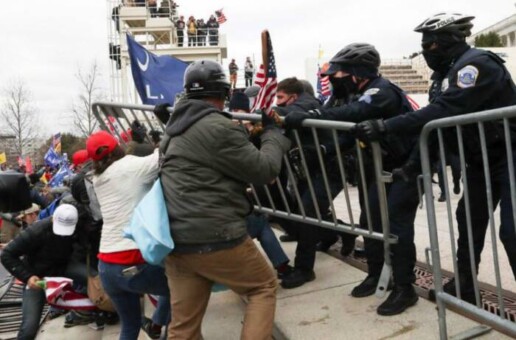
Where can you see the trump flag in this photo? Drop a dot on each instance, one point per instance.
(157, 78)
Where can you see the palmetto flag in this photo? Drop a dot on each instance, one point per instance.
(266, 77)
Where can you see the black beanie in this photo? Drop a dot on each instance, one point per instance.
(239, 101)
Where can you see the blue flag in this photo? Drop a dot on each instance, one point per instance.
(51, 157)
(157, 78)
(59, 176)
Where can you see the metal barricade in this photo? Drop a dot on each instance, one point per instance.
(288, 201)
(487, 154)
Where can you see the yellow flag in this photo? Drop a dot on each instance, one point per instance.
(3, 158)
(43, 179)
(321, 52)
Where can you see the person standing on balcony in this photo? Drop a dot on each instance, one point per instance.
(213, 30)
(192, 31)
(233, 71)
(180, 29)
(202, 32)
(249, 70)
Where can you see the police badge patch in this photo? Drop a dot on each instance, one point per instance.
(467, 76)
(366, 97)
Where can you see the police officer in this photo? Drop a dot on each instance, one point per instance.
(464, 80)
(355, 80)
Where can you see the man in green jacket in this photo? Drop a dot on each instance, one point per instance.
(207, 165)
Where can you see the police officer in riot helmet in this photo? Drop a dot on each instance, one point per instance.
(366, 95)
(465, 80)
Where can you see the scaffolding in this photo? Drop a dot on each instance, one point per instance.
(153, 25)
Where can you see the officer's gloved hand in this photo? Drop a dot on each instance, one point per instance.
(138, 131)
(160, 110)
(268, 122)
(295, 118)
(369, 130)
(410, 170)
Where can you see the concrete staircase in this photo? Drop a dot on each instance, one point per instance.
(406, 77)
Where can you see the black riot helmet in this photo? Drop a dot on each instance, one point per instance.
(205, 79)
(359, 59)
(452, 23)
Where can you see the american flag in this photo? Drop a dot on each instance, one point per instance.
(266, 77)
(221, 18)
(323, 86)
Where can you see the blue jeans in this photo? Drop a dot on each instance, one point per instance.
(34, 300)
(32, 306)
(258, 227)
(125, 291)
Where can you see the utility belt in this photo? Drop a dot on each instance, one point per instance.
(311, 158)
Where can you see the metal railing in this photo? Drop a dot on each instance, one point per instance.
(484, 147)
(290, 196)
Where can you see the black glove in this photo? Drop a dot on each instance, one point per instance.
(408, 171)
(155, 136)
(369, 130)
(160, 110)
(295, 118)
(268, 122)
(139, 132)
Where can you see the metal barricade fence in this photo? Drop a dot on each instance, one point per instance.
(288, 198)
(487, 167)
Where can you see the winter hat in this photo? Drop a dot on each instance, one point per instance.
(239, 101)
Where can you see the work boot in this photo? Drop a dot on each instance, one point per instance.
(348, 244)
(401, 298)
(442, 197)
(297, 278)
(366, 287)
(467, 292)
(456, 188)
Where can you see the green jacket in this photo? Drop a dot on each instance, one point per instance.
(208, 163)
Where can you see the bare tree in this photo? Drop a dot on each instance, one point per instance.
(83, 118)
(19, 115)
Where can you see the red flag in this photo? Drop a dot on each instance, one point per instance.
(59, 293)
(266, 77)
(221, 18)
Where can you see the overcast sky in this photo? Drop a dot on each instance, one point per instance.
(45, 42)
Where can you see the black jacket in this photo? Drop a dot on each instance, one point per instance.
(476, 81)
(44, 253)
(380, 99)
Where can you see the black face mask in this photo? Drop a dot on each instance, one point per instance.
(438, 60)
(343, 87)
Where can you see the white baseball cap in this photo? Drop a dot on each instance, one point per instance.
(64, 220)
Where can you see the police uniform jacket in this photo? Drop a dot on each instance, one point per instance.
(380, 99)
(476, 81)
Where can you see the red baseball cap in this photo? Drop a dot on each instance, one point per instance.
(100, 144)
(80, 157)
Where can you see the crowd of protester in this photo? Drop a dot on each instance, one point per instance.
(206, 162)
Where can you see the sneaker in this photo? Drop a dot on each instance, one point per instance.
(55, 312)
(297, 278)
(76, 318)
(401, 298)
(149, 328)
(287, 238)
